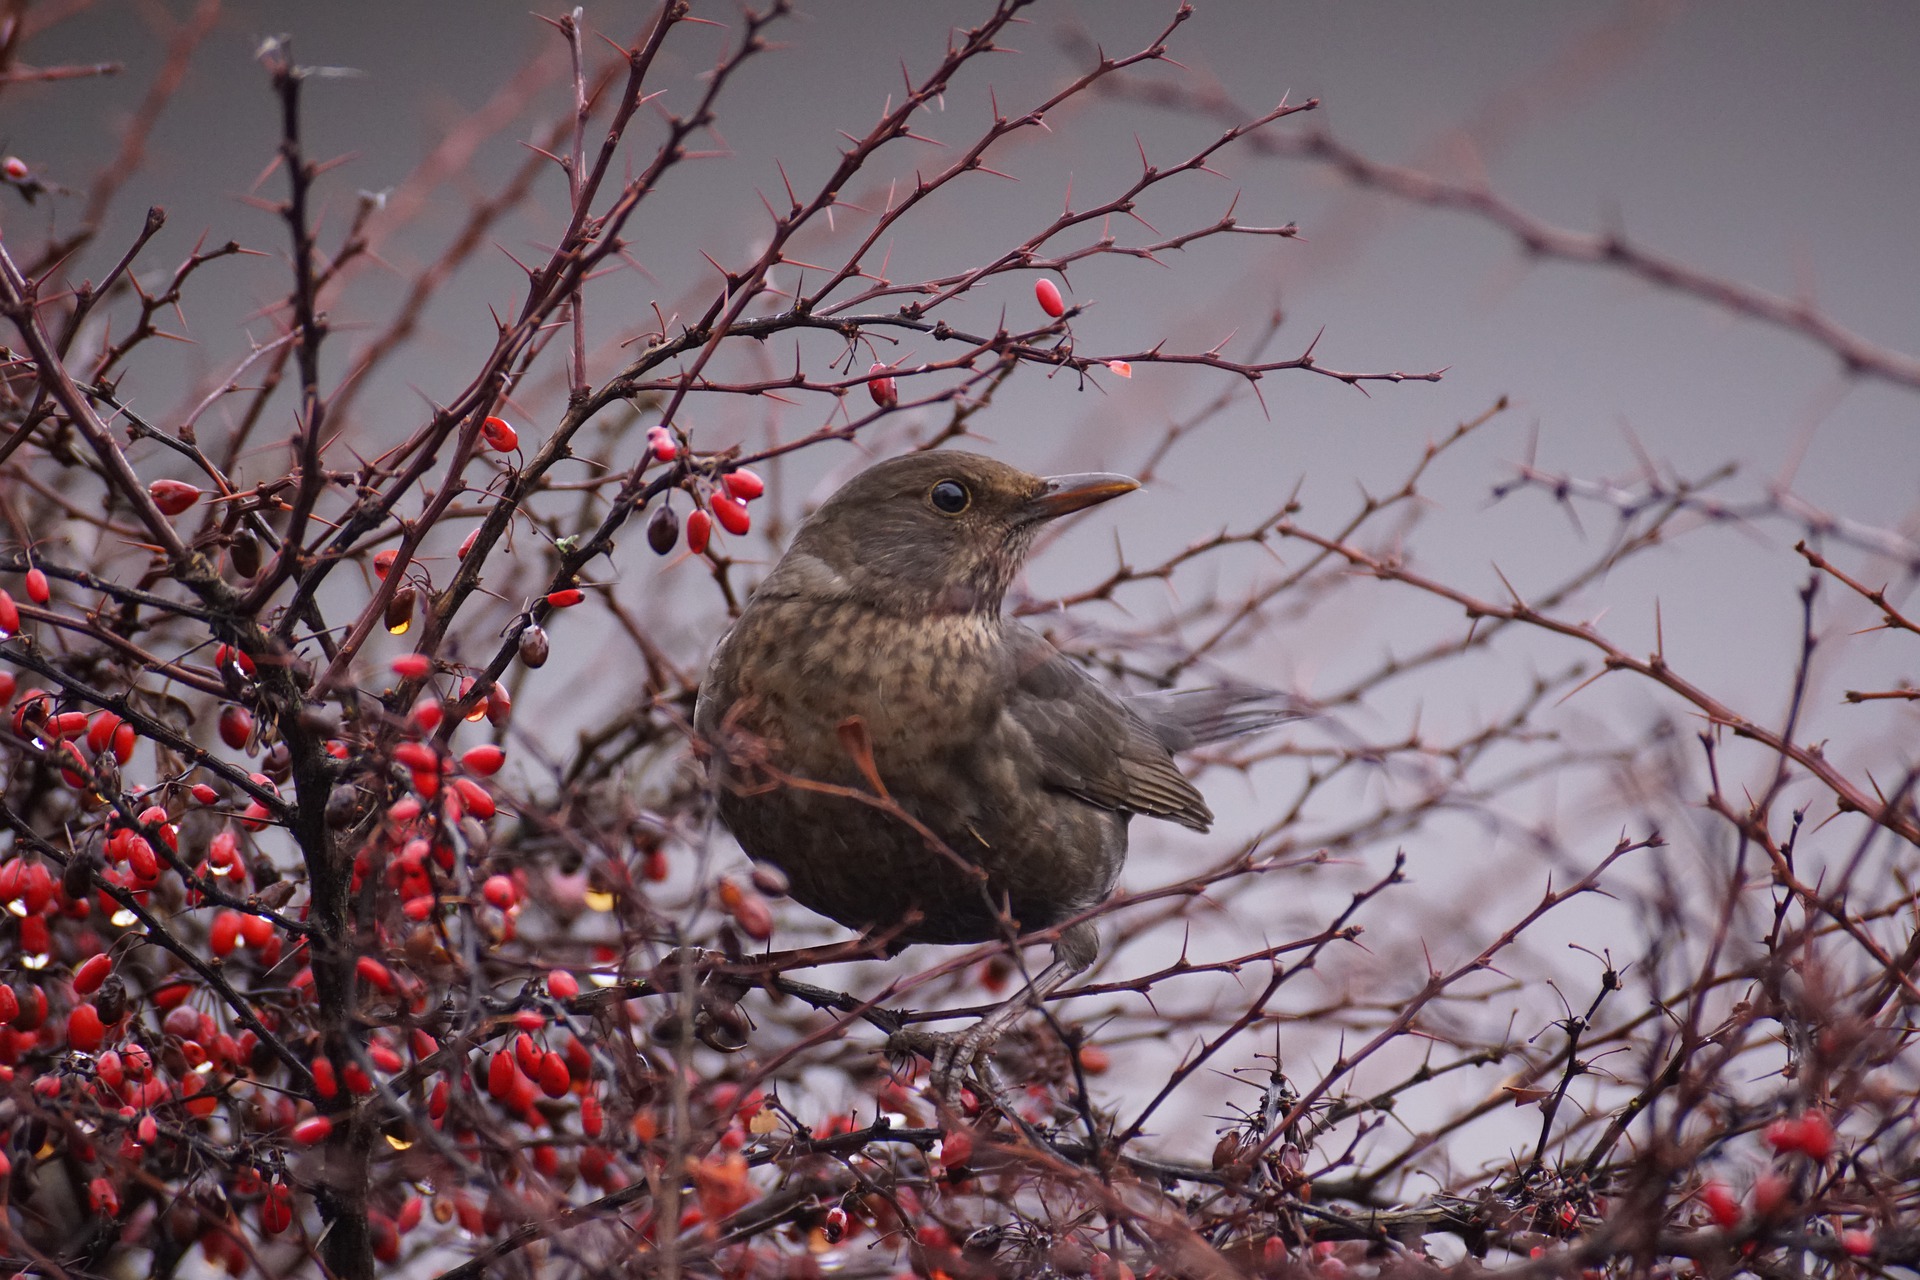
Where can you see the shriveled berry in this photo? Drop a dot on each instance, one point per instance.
(535, 648)
(399, 617)
(663, 530)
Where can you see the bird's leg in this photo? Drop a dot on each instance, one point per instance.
(954, 1056)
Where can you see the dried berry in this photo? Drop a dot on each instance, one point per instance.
(400, 611)
(663, 530)
(534, 646)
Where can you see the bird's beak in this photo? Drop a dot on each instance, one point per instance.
(1065, 494)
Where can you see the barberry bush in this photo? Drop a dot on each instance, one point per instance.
(365, 911)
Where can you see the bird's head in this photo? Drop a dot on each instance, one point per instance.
(934, 532)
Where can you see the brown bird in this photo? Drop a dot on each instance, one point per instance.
(922, 767)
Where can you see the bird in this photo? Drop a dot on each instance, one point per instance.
(922, 767)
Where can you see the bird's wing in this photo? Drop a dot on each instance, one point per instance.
(1090, 743)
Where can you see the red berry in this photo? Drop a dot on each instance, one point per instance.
(484, 760)
(956, 1148)
(173, 496)
(417, 756)
(478, 800)
(15, 168)
(374, 973)
(256, 931)
(276, 1211)
(885, 391)
(1047, 294)
(312, 1131)
(555, 1079)
(753, 916)
(236, 726)
(92, 972)
(326, 1081)
(37, 589)
(1816, 1136)
(501, 1075)
(566, 598)
(141, 860)
(85, 1031)
(661, 444)
(9, 615)
(732, 514)
(100, 732)
(103, 1197)
(743, 484)
(1721, 1205)
(500, 435)
(203, 794)
(500, 891)
(229, 659)
(563, 985)
(224, 934)
(1857, 1243)
(412, 666)
(699, 529)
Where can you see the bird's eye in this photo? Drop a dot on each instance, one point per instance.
(950, 496)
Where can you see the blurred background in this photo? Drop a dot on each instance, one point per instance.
(1767, 144)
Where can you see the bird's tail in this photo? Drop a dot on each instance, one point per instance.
(1186, 718)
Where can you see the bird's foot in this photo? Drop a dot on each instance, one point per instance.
(954, 1056)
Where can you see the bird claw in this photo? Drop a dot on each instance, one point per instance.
(954, 1057)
